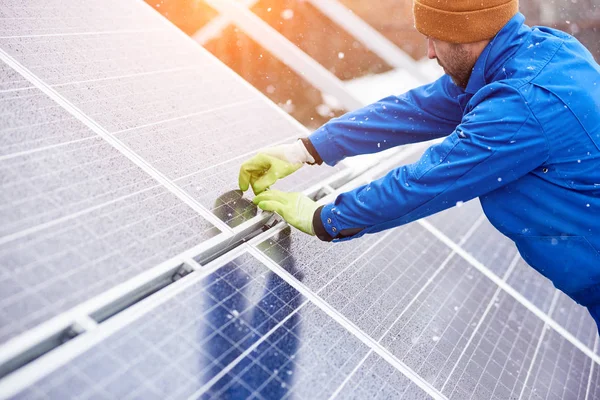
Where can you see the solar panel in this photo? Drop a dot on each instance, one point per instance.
(120, 144)
(461, 332)
(431, 333)
(495, 363)
(466, 225)
(532, 285)
(576, 320)
(51, 17)
(560, 371)
(236, 332)
(594, 382)
(171, 104)
(370, 281)
(78, 217)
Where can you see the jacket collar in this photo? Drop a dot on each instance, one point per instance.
(497, 52)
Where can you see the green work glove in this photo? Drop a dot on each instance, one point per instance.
(263, 170)
(297, 209)
(274, 163)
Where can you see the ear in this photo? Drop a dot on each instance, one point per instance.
(431, 51)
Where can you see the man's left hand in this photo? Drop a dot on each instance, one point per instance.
(297, 209)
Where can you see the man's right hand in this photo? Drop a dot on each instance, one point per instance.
(265, 168)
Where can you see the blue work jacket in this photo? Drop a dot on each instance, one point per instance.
(524, 137)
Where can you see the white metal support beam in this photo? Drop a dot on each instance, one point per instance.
(217, 25)
(286, 51)
(369, 37)
(345, 18)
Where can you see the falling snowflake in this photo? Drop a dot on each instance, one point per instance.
(287, 14)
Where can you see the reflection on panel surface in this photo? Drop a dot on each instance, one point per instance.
(77, 216)
(182, 344)
(241, 331)
(308, 357)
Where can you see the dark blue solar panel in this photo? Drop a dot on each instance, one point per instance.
(240, 332)
(180, 345)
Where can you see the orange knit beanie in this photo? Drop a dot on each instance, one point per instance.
(463, 21)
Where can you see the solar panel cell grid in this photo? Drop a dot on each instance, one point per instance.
(309, 357)
(560, 371)
(491, 248)
(531, 284)
(348, 267)
(495, 364)
(78, 217)
(379, 286)
(576, 319)
(55, 268)
(376, 379)
(241, 331)
(456, 222)
(310, 260)
(168, 78)
(175, 106)
(430, 335)
(183, 343)
(35, 17)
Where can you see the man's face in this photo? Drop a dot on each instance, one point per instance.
(457, 60)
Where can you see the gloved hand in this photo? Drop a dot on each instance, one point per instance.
(297, 209)
(274, 163)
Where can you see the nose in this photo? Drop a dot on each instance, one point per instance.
(430, 49)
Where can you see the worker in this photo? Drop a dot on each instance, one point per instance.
(519, 111)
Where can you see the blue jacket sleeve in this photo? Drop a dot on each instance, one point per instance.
(498, 141)
(424, 113)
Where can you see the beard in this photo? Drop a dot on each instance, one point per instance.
(458, 64)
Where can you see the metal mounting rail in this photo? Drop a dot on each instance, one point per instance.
(217, 25)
